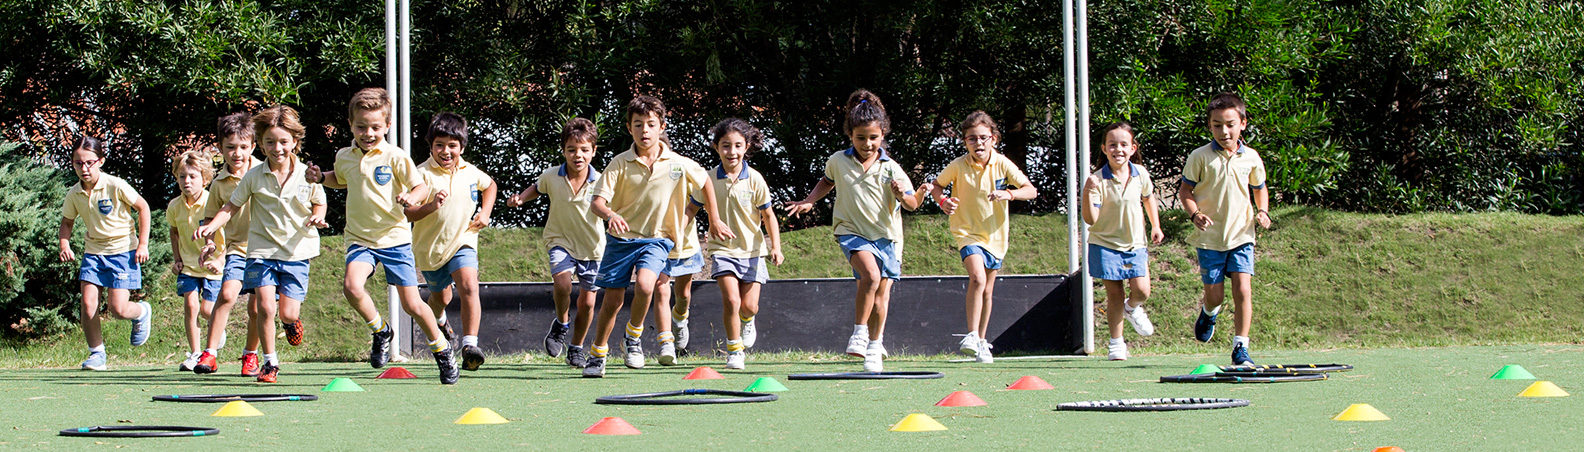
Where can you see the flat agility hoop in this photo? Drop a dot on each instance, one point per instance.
(659, 398)
(868, 376)
(222, 398)
(1245, 377)
(139, 431)
(1164, 404)
(1291, 368)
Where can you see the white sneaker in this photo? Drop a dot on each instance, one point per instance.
(681, 333)
(635, 356)
(969, 345)
(982, 354)
(191, 362)
(667, 353)
(858, 344)
(1117, 352)
(750, 333)
(1140, 321)
(873, 358)
(736, 360)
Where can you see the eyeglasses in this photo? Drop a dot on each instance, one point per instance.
(85, 163)
(979, 138)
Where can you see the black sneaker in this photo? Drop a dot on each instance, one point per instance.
(556, 341)
(448, 368)
(379, 350)
(595, 367)
(445, 330)
(576, 357)
(1204, 327)
(472, 357)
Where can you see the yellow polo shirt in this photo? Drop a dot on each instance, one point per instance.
(738, 200)
(680, 227)
(187, 218)
(978, 221)
(641, 194)
(1221, 182)
(373, 217)
(233, 237)
(278, 213)
(572, 224)
(437, 237)
(864, 204)
(1120, 223)
(105, 210)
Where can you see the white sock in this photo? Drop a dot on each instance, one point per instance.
(270, 358)
(861, 329)
(1127, 306)
(1242, 341)
(877, 342)
(469, 341)
(99, 349)
(1117, 342)
(1212, 312)
(442, 318)
(213, 351)
(250, 352)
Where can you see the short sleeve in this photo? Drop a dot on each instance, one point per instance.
(125, 193)
(69, 208)
(243, 192)
(607, 183)
(405, 171)
(318, 196)
(1257, 175)
(1013, 175)
(343, 165)
(897, 173)
(1096, 196)
(212, 203)
(484, 180)
(170, 213)
(948, 176)
(1148, 188)
(1192, 172)
(761, 198)
(830, 169)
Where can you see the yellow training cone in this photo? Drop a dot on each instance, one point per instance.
(1361, 412)
(917, 422)
(1543, 389)
(481, 416)
(237, 408)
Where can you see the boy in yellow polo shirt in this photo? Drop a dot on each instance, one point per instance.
(446, 227)
(634, 197)
(381, 182)
(235, 132)
(111, 261)
(574, 235)
(743, 200)
(1223, 190)
(197, 278)
(981, 182)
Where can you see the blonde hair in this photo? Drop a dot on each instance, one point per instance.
(281, 116)
(368, 99)
(196, 159)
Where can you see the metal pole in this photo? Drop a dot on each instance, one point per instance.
(406, 75)
(1073, 214)
(1084, 145)
(390, 62)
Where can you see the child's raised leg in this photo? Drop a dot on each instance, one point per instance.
(353, 287)
(868, 283)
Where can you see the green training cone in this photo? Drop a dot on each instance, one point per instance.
(1512, 372)
(343, 384)
(766, 384)
(1205, 369)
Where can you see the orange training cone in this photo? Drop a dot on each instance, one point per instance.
(703, 373)
(1389, 449)
(611, 426)
(1030, 383)
(396, 372)
(961, 398)
(1361, 412)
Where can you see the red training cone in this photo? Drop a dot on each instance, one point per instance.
(703, 373)
(396, 372)
(1030, 383)
(961, 398)
(611, 426)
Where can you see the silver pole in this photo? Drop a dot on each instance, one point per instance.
(406, 75)
(1084, 145)
(1073, 214)
(390, 62)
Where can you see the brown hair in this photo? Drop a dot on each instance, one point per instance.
(864, 108)
(281, 116)
(1224, 101)
(976, 119)
(579, 129)
(90, 144)
(234, 125)
(750, 134)
(200, 160)
(1138, 151)
(370, 99)
(643, 105)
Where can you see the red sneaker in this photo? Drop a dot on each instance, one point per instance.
(206, 364)
(268, 373)
(250, 365)
(294, 333)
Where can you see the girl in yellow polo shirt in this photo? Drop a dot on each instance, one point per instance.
(981, 183)
(111, 259)
(743, 200)
(867, 219)
(1116, 200)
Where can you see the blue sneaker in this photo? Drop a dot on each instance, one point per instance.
(95, 361)
(142, 324)
(1240, 356)
(1204, 328)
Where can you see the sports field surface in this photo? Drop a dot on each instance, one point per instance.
(1437, 399)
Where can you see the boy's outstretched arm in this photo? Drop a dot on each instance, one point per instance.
(821, 189)
(528, 194)
(206, 232)
(325, 178)
(415, 196)
(421, 210)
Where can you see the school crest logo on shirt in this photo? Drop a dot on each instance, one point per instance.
(303, 193)
(1001, 184)
(676, 171)
(382, 174)
(474, 189)
(105, 206)
(744, 197)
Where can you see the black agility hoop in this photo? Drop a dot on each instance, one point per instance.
(1241, 377)
(868, 376)
(1292, 368)
(1164, 404)
(139, 431)
(660, 398)
(220, 398)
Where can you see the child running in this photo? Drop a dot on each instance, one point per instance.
(446, 227)
(111, 260)
(867, 219)
(1116, 200)
(686, 259)
(284, 214)
(739, 263)
(236, 141)
(981, 183)
(575, 237)
(197, 278)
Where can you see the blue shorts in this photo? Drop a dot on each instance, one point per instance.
(398, 262)
(441, 279)
(235, 270)
(684, 266)
(1215, 265)
(623, 257)
(112, 271)
(747, 269)
(583, 272)
(1113, 265)
(990, 261)
(884, 251)
(207, 289)
(289, 277)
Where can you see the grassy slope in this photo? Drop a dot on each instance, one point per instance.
(1326, 279)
